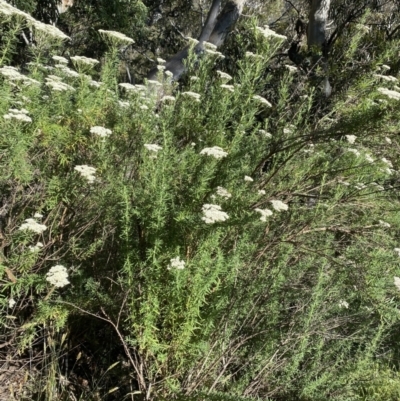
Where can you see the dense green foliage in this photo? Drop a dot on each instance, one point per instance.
(289, 292)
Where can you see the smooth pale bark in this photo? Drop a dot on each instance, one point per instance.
(211, 20)
(215, 31)
(318, 17)
(64, 5)
(226, 21)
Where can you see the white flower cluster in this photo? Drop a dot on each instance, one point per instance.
(354, 151)
(123, 104)
(384, 224)
(264, 133)
(269, 33)
(168, 98)
(84, 60)
(209, 46)
(230, 88)
(224, 76)
(127, 86)
(388, 162)
(264, 213)
(289, 129)
(95, 84)
(351, 138)
(100, 131)
(248, 178)
(60, 59)
(213, 214)
(57, 276)
(262, 100)
(192, 41)
(86, 172)
(152, 82)
(397, 250)
(369, 158)
(11, 303)
(55, 83)
(12, 74)
(397, 282)
(279, 205)
(193, 95)
(252, 55)
(36, 248)
(389, 93)
(387, 78)
(176, 263)
(213, 53)
(343, 304)
(116, 36)
(152, 147)
(215, 151)
(48, 30)
(33, 225)
(67, 71)
(223, 193)
(16, 114)
(291, 68)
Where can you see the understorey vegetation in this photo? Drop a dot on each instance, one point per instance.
(199, 220)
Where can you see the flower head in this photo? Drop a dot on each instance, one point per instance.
(193, 95)
(213, 214)
(215, 151)
(262, 100)
(84, 60)
(101, 131)
(168, 98)
(54, 83)
(264, 213)
(176, 263)
(230, 88)
(248, 178)
(60, 59)
(127, 86)
(117, 37)
(351, 138)
(291, 68)
(390, 93)
(57, 276)
(269, 33)
(384, 224)
(36, 248)
(86, 172)
(354, 151)
(32, 225)
(223, 193)
(224, 76)
(343, 304)
(397, 282)
(152, 147)
(11, 303)
(279, 205)
(17, 115)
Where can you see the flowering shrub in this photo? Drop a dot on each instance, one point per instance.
(221, 244)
